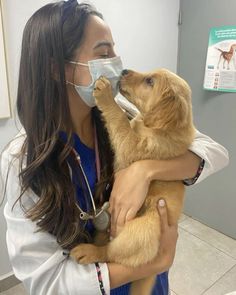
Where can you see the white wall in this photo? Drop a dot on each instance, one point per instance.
(145, 32)
(146, 37)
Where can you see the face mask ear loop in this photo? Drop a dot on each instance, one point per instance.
(78, 63)
(70, 83)
(75, 63)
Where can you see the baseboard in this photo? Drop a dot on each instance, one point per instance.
(8, 281)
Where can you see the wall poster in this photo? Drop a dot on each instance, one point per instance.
(220, 71)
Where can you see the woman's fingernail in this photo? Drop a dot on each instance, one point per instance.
(161, 203)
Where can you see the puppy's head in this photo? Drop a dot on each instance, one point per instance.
(163, 98)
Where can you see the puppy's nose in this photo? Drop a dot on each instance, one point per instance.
(124, 72)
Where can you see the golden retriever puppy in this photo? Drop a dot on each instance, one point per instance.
(163, 130)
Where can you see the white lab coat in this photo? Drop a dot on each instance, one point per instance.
(37, 259)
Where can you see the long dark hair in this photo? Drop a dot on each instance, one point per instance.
(51, 36)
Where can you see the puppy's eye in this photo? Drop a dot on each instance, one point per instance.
(149, 82)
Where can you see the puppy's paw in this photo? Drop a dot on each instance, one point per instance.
(88, 253)
(102, 90)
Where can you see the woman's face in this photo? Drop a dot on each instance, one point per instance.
(98, 43)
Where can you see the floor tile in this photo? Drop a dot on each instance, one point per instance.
(197, 265)
(8, 282)
(172, 292)
(211, 236)
(226, 284)
(17, 290)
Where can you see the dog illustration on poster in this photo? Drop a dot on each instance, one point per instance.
(228, 56)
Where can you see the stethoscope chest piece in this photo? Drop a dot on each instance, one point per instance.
(102, 221)
(101, 217)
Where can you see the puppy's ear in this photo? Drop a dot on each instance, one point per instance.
(170, 112)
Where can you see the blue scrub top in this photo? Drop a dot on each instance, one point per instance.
(88, 162)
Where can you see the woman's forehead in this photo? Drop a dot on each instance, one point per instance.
(97, 32)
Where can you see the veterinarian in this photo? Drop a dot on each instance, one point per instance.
(48, 185)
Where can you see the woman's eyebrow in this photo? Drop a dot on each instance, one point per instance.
(103, 43)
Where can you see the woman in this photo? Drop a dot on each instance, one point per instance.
(56, 109)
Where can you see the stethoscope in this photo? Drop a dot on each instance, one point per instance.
(100, 217)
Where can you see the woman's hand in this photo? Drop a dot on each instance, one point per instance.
(169, 236)
(128, 194)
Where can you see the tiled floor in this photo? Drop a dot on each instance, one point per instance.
(17, 290)
(205, 262)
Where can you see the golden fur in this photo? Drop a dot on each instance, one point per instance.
(163, 130)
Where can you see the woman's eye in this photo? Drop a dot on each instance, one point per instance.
(149, 82)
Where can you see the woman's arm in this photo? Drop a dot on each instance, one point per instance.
(185, 167)
(179, 168)
(216, 157)
(131, 184)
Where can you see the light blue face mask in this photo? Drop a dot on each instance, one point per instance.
(110, 68)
